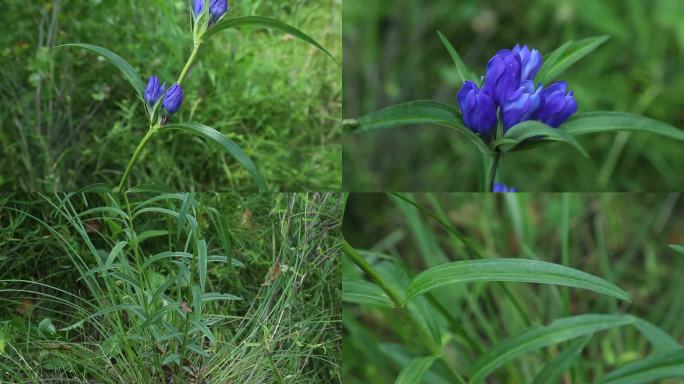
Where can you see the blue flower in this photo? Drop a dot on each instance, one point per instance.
(524, 104)
(477, 108)
(502, 188)
(217, 8)
(154, 90)
(503, 75)
(559, 104)
(173, 99)
(531, 61)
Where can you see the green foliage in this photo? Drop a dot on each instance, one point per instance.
(426, 281)
(392, 55)
(71, 121)
(98, 304)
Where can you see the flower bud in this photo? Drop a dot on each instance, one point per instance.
(173, 99)
(154, 90)
(502, 188)
(503, 75)
(217, 8)
(524, 104)
(558, 106)
(530, 61)
(477, 108)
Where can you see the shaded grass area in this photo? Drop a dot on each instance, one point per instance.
(622, 238)
(191, 288)
(393, 54)
(69, 120)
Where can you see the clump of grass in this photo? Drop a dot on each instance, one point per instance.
(218, 288)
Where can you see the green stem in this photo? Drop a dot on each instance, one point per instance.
(190, 61)
(134, 158)
(493, 168)
(399, 302)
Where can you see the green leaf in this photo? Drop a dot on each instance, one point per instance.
(529, 129)
(227, 144)
(418, 112)
(463, 72)
(171, 358)
(214, 296)
(413, 373)
(115, 252)
(166, 255)
(195, 348)
(196, 301)
(152, 233)
(412, 112)
(515, 270)
(363, 292)
(567, 55)
(678, 248)
(202, 263)
(559, 364)
(649, 370)
(660, 339)
(265, 22)
(538, 337)
(122, 65)
(599, 122)
(46, 327)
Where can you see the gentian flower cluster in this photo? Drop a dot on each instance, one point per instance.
(217, 8)
(509, 92)
(502, 188)
(172, 98)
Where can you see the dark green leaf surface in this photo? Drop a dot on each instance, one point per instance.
(529, 129)
(122, 65)
(559, 364)
(463, 72)
(363, 292)
(649, 370)
(265, 22)
(538, 337)
(227, 144)
(599, 122)
(567, 55)
(413, 373)
(515, 270)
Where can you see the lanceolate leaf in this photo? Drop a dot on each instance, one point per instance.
(122, 65)
(516, 270)
(559, 364)
(363, 292)
(418, 112)
(537, 337)
(215, 296)
(599, 122)
(567, 55)
(649, 370)
(678, 248)
(660, 339)
(463, 72)
(529, 129)
(413, 373)
(265, 22)
(227, 144)
(202, 263)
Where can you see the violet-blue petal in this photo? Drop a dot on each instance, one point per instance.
(524, 104)
(173, 99)
(153, 91)
(558, 106)
(477, 109)
(502, 188)
(502, 78)
(530, 61)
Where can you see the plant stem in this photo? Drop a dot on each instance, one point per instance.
(134, 158)
(493, 168)
(190, 61)
(399, 302)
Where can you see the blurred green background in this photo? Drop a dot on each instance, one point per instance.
(392, 54)
(622, 238)
(69, 119)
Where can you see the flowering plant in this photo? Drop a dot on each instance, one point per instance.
(515, 106)
(162, 101)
